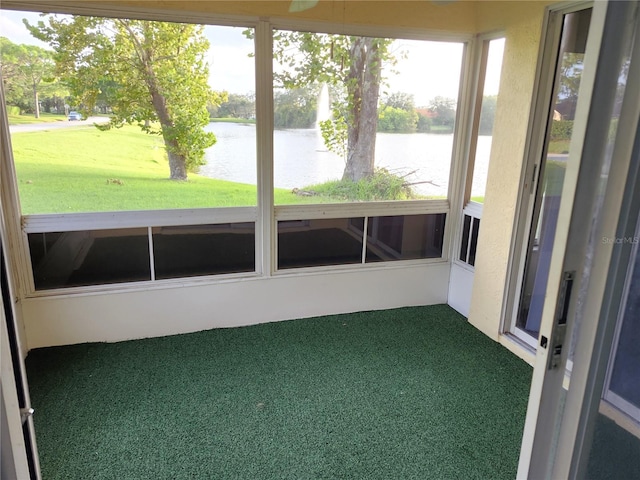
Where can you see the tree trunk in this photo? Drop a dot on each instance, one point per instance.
(177, 167)
(363, 86)
(36, 101)
(177, 162)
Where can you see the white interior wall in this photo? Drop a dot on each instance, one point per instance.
(460, 288)
(181, 308)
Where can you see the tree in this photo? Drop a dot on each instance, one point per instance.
(424, 122)
(397, 120)
(401, 100)
(570, 74)
(398, 114)
(352, 66)
(237, 106)
(146, 72)
(445, 111)
(28, 70)
(295, 108)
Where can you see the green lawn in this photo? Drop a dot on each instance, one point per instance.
(559, 146)
(83, 169)
(440, 129)
(44, 118)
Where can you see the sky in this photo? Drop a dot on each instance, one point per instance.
(430, 68)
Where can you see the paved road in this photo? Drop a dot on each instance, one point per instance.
(35, 127)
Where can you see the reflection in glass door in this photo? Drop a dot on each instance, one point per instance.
(551, 170)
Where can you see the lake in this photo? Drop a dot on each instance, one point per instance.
(301, 159)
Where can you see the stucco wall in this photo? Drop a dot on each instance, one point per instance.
(522, 22)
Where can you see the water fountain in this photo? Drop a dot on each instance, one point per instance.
(323, 110)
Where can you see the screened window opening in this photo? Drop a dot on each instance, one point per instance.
(308, 243)
(130, 114)
(93, 257)
(194, 250)
(405, 237)
(469, 242)
(94, 136)
(110, 256)
(491, 67)
(376, 131)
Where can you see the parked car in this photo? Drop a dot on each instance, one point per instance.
(74, 116)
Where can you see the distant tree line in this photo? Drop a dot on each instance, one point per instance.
(29, 79)
(235, 106)
(397, 113)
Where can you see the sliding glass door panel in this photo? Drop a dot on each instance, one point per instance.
(551, 169)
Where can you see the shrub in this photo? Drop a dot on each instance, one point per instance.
(424, 123)
(13, 110)
(396, 120)
(383, 185)
(561, 129)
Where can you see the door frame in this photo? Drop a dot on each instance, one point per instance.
(16, 402)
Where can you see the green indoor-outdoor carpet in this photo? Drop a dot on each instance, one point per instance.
(409, 393)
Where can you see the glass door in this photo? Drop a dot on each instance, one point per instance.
(550, 170)
(568, 431)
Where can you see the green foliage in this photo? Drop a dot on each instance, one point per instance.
(445, 111)
(397, 120)
(487, 114)
(29, 78)
(424, 123)
(400, 100)
(334, 135)
(398, 114)
(382, 185)
(235, 106)
(571, 74)
(561, 130)
(13, 110)
(295, 107)
(146, 71)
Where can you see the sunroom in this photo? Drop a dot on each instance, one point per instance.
(460, 181)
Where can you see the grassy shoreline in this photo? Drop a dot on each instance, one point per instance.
(88, 170)
(232, 120)
(83, 169)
